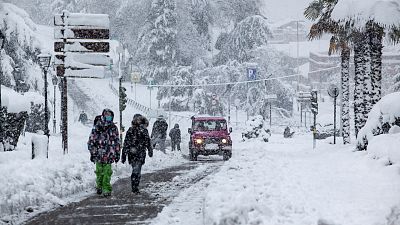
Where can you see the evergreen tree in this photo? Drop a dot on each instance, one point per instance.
(247, 35)
(163, 46)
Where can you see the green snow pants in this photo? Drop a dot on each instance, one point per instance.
(103, 177)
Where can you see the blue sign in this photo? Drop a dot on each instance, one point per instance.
(251, 73)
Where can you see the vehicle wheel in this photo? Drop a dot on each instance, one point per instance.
(226, 156)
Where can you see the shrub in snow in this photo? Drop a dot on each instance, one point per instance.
(384, 115)
(35, 120)
(12, 127)
(255, 129)
(390, 152)
(394, 130)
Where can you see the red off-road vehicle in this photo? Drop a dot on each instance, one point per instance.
(210, 136)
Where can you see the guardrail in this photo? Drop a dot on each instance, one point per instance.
(146, 110)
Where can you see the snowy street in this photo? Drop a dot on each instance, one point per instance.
(280, 182)
(200, 112)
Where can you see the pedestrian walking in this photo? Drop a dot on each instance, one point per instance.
(175, 135)
(159, 133)
(104, 147)
(137, 141)
(83, 117)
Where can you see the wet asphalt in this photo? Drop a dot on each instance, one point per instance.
(157, 190)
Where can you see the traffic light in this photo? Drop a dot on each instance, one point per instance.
(122, 98)
(314, 102)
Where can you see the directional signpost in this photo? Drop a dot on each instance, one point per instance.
(81, 46)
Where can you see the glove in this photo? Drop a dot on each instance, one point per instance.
(150, 153)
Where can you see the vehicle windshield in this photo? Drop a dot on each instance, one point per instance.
(209, 125)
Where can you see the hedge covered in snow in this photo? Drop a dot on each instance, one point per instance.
(384, 115)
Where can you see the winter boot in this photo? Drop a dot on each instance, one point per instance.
(135, 190)
(99, 191)
(108, 194)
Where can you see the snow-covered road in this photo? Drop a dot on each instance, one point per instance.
(286, 182)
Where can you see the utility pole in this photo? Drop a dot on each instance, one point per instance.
(314, 110)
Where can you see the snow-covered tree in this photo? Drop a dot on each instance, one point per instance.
(370, 20)
(163, 47)
(177, 98)
(235, 10)
(320, 11)
(250, 33)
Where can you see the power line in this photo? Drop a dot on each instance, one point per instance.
(237, 82)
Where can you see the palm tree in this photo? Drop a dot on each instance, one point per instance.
(321, 10)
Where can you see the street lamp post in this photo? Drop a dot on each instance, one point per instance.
(2, 41)
(54, 81)
(44, 59)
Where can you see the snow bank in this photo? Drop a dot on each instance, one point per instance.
(385, 147)
(285, 182)
(387, 110)
(14, 101)
(386, 12)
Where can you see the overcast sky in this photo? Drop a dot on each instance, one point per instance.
(277, 10)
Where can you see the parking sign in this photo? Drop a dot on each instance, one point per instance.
(251, 73)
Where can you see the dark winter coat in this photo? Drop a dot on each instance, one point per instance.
(104, 143)
(160, 128)
(137, 141)
(175, 135)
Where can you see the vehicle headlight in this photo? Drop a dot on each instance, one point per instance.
(199, 141)
(224, 141)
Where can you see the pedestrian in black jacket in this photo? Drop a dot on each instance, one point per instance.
(137, 141)
(159, 133)
(175, 135)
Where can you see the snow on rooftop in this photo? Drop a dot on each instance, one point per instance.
(386, 12)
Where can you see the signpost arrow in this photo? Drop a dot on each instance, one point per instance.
(85, 35)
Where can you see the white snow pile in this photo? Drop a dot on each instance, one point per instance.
(256, 129)
(13, 101)
(288, 183)
(386, 111)
(386, 148)
(385, 12)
